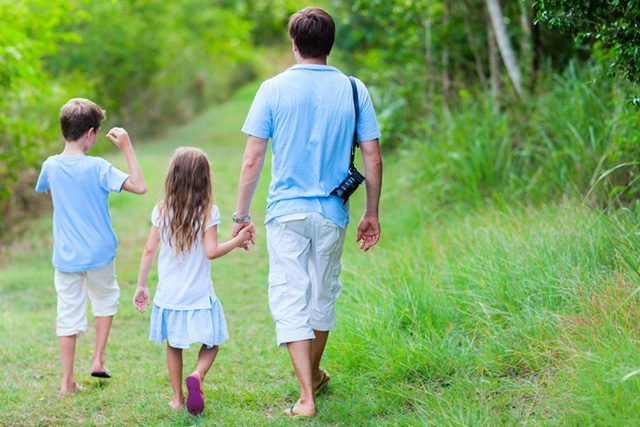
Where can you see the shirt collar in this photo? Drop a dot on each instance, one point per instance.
(314, 67)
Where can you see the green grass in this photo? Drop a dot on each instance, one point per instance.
(504, 314)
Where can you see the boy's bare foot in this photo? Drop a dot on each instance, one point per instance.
(69, 389)
(98, 365)
(176, 404)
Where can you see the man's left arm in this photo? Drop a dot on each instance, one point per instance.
(369, 226)
(252, 164)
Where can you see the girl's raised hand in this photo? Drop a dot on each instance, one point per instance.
(141, 299)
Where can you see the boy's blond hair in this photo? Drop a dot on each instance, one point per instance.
(79, 115)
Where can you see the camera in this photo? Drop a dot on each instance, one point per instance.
(349, 185)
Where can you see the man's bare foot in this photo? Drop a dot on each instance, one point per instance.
(301, 409)
(69, 389)
(177, 404)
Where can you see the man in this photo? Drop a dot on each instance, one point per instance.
(308, 112)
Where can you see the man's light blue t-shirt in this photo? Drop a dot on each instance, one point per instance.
(83, 238)
(308, 113)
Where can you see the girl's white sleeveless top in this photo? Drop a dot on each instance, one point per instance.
(184, 280)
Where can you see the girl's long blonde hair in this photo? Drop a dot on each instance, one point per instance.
(187, 198)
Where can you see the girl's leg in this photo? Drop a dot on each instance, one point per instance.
(195, 398)
(103, 326)
(205, 360)
(174, 362)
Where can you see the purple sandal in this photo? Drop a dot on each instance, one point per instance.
(195, 396)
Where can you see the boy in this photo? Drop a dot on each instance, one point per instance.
(84, 244)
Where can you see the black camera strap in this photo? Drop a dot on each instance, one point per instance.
(356, 105)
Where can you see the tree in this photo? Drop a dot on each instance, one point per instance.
(615, 24)
(504, 44)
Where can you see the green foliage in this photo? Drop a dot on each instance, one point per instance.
(417, 56)
(29, 96)
(613, 24)
(154, 60)
(269, 18)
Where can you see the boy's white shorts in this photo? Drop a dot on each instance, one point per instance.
(73, 288)
(304, 264)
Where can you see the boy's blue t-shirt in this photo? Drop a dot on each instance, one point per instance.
(308, 113)
(83, 238)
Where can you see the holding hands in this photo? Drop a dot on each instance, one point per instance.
(244, 233)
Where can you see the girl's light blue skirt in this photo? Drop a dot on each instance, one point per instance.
(181, 328)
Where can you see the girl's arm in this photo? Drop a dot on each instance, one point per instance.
(141, 297)
(214, 250)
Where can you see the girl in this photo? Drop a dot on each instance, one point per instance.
(185, 307)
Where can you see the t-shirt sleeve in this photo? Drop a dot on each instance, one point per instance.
(111, 178)
(367, 122)
(43, 178)
(214, 217)
(259, 122)
(155, 216)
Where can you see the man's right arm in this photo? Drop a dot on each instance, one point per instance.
(369, 226)
(252, 163)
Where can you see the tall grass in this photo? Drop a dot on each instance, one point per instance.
(525, 315)
(557, 143)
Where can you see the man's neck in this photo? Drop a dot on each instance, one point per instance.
(316, 61)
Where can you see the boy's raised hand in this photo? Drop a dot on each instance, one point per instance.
(141, 299)
(119, 137)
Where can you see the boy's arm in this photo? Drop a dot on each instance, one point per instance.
(369, 226)
(141, 297)
(135, 183)
(214, 250)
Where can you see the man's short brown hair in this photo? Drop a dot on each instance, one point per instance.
(313, 31)
(79, 115)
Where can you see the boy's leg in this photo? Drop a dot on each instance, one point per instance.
(103, 326)
(174, 363)
(71, 320)
(67, 355)
(104, 294)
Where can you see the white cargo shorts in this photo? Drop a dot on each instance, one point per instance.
(73, 288)
(304, 265)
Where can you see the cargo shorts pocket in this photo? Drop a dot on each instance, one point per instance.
(277, 293)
